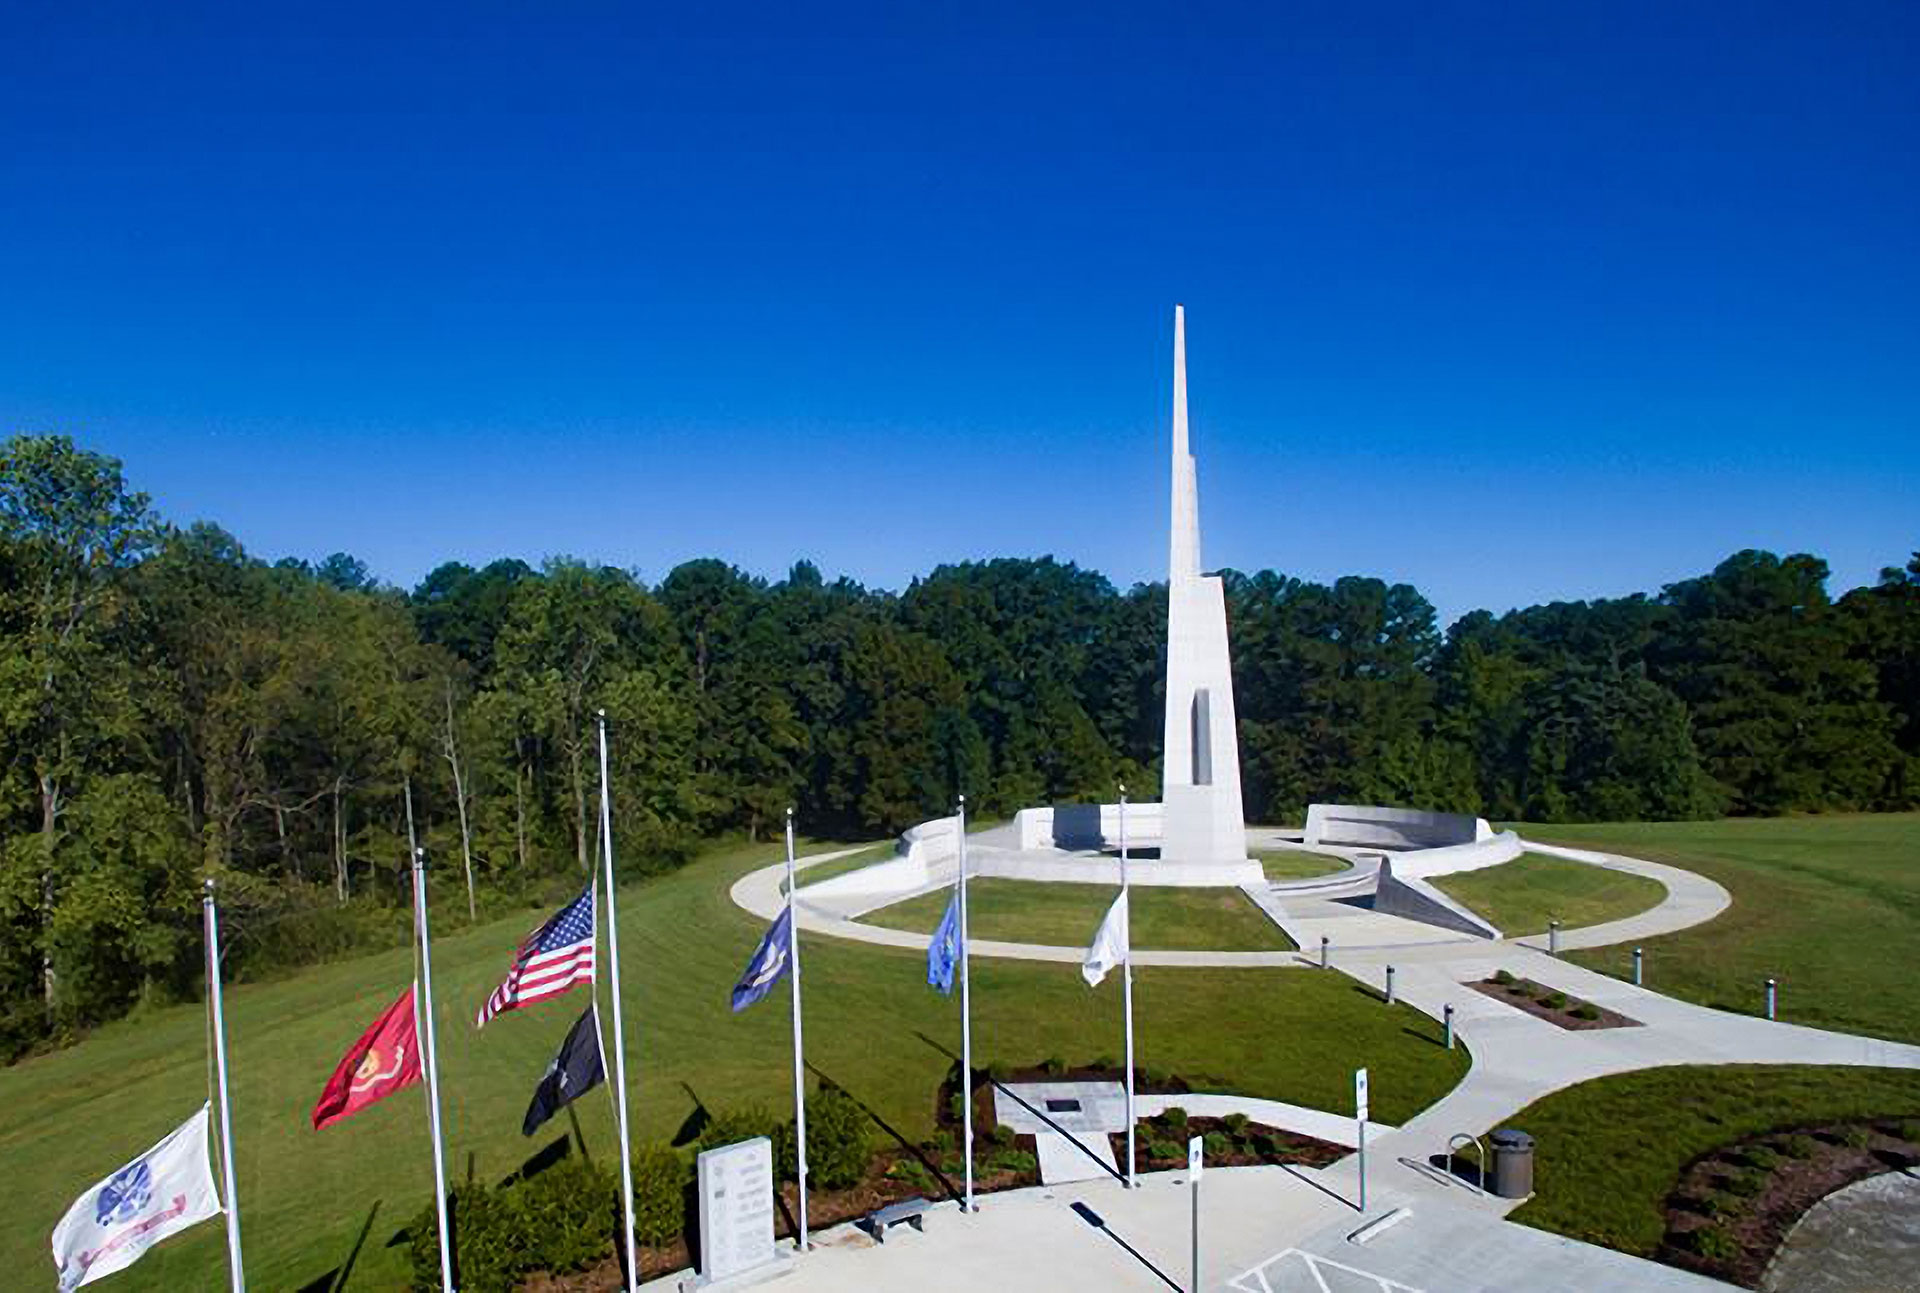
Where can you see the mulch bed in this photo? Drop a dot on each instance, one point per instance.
(1254, 1145)
(1715, 1229)
(1525, 994)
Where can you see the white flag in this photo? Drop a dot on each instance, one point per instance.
(1109, 945)
(162, 1192)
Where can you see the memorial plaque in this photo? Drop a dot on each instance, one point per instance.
(736, 1209)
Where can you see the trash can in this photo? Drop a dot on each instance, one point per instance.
(1512, 1163)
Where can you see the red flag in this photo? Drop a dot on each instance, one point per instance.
(386, 1058)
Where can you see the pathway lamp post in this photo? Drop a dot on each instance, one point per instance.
(1639, 965)
(1448, 1019)
(1389, 985)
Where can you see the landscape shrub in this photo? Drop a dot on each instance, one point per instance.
(1555, 1000)
(1718, 1203)
(1164, 1150)
(1714, 1244)
(731, 1126)
(1503, 977)
(659, 1193)
(1235, 1123)
(1855, 1137)
(1799, 1146)
(1762, 1157)
(1748, 1183)
(837, 1144)
(957, 1108)
(1585, 1011)
(941, 1141)
(1215, 1145)
(913, 1172)
(1908, 1129)
(1053, 1066)
(560, 1220)
(1001, 1134)
(1174, 1118)
(1014, 1160)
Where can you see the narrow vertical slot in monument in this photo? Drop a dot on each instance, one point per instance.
(1200, 765)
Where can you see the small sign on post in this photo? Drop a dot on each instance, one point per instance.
(1360, 1117)
(1195, 1163)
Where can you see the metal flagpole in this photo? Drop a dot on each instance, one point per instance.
(234, 1263)
(423, 1019)
(1126, 896)
(619, 1037)
(799, 1049)
(966, 1021)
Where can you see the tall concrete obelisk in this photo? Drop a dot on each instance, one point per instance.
(1200, 770)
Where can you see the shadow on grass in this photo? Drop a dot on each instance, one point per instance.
(337, 1277)
(933, 1169)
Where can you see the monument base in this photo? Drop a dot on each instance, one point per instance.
(782, 1265)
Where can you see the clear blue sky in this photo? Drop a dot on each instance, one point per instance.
(1513, 302)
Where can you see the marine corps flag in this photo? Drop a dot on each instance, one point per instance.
(577, 1069)
(386, 1058)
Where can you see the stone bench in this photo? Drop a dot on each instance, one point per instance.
(880, 1220)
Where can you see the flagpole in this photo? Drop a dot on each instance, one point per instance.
(799, 1049)
(1126, 990)
(236, 1267)
(423, 1020)
(619, 1036)
(966, 1010)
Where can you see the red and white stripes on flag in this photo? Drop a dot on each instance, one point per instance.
(553, 958)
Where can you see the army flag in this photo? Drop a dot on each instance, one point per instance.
(160, 1193)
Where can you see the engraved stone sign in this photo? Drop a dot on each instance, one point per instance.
(736, 1210)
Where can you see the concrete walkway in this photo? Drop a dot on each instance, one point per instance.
(1280, 1230)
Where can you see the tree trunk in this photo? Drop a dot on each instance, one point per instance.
(520, 804)
(579, 808)
(49, 822)
(339, 847)
(460, 801)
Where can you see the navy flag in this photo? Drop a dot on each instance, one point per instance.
(577, 1069)
(943, 952)
(769, 962)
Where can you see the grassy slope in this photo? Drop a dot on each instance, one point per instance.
(1292, 864)
(1163, 918)
(1828, 905)
(1609, 1151)
(872, 1025)
(1521, 896)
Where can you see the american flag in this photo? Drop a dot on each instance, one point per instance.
(555, 957)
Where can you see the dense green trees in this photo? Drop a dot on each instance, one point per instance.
(172, 708)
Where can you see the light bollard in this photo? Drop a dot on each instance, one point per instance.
(1553, 938)
(1773, 998)
(1323, 951)
(1447, 1018)
(1639, 966)
(1389, 985)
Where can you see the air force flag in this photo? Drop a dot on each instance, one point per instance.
(943, 951)
(577, 1069)
(162, 1192)
(770, 961)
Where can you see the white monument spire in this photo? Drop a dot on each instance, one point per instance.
(1200, 764)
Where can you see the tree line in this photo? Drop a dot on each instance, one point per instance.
(173, 708)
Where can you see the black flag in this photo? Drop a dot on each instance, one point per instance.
(576, 1069)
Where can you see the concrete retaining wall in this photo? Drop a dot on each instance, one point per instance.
(1369, 826)
(1088, 826)
(1412, 898)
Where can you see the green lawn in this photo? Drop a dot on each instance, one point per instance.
(1294, 864)
(873, 1025)
(1609, 1151)
(1828, 905)
(1521, 896)
(1164, 918)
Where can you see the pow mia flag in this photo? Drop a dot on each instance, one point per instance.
(578, 1068)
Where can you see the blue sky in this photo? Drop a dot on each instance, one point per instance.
(1510, 302)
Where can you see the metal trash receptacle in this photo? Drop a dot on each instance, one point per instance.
(1512, 1163)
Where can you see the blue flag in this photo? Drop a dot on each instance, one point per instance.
(943, 953)
(769, 962)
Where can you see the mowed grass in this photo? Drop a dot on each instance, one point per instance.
(1828, 905)
(1610, 1151)
(865, 857)
(1298, 864)
(1522, 896)
(1164, 917)
(873, 1026)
